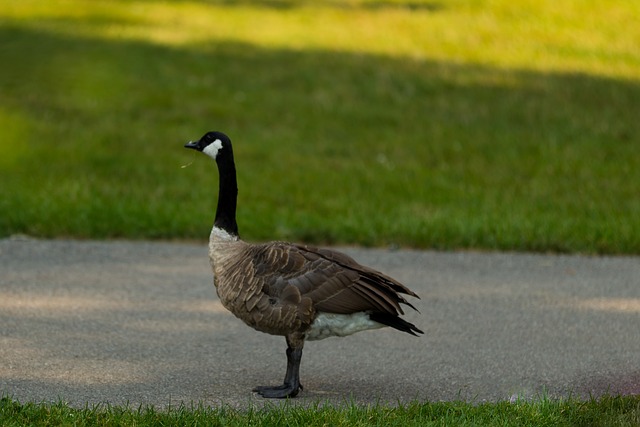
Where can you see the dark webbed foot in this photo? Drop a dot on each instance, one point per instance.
(279, 391)
(291, 385)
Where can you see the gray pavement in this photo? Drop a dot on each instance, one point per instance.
(139, 322)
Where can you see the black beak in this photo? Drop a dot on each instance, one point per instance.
(193, 144)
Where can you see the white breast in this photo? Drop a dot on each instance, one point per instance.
(218, 235)
(339, 325)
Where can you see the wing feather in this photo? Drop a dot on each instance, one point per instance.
(333, 281)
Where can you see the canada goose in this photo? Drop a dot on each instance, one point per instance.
(297, 291)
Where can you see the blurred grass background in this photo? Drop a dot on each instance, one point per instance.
(489, 124)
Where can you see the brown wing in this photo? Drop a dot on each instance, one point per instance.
(331, 280)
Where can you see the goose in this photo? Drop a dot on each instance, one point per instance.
(297, 291)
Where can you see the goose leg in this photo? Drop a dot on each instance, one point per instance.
(291, 385)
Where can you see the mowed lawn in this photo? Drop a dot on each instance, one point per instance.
(509, 125)
(607, 411)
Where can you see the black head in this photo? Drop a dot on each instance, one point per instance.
(211, 144)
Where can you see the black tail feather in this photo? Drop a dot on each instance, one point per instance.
(395, 322)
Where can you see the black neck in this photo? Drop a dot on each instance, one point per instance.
(227, 195)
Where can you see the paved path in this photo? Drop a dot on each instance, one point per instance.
(137, 322)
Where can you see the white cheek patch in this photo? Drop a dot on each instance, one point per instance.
(212, 149)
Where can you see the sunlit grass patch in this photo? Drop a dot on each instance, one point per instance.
(585, 36)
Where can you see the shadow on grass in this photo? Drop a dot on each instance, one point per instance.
(425, 153)
(419, 5)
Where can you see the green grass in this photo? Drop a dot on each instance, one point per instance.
(607, 411)
(446, 124)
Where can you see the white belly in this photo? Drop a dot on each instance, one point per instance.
(339, 325)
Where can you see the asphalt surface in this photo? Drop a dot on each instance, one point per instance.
(139, 323)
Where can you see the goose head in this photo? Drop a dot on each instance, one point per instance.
(214, 144)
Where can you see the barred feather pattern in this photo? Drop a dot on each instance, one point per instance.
(280, 288)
